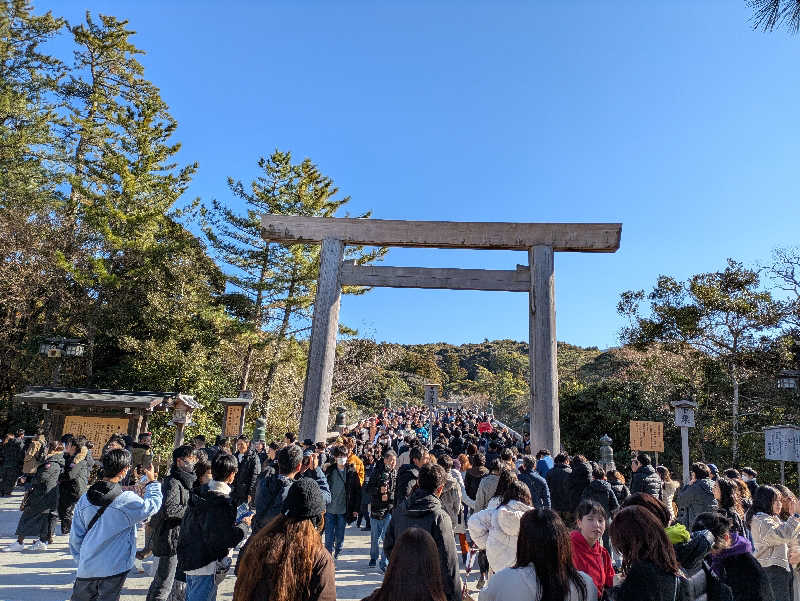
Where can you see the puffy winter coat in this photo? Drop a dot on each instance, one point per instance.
(496, 530)
(166, 523)
(621, 491)
(424, 510)
(451, 499)
(75, 479)
(694, 499)
(557, 479)
(600, 492)
(577, 482)
(407, 477)
(646, 479)
(43, 496)
(472, 480)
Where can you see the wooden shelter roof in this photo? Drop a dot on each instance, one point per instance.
(85, 397)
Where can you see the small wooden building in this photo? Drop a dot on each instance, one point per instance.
(96, 414)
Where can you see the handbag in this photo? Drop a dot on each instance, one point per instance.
(25, 500)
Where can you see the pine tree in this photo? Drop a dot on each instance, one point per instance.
(272, 286)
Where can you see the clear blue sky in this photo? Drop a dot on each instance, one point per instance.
(674, 118)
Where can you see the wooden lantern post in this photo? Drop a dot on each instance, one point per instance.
(182, 408)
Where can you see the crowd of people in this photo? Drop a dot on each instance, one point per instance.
(447, 489)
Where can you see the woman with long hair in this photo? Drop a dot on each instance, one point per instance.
(409, 576)
(543, 569)
(617, 482)
(286, 560)
(730, 504)
(651, 570)
(668, 488)
(771, 538)
(496, 530)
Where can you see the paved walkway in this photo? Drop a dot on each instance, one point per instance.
(48, 575)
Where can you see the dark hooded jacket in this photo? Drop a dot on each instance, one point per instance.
(557, 479)
(244, 485)
(43, 496)
(407, 477)
(271, 491)
(166, 523)
(621, 491)
(601, 492)
(14, 454)
(737, 568)
(646, 479)
(694, 499)
(208, 531)
(424, 510)
(74, 480)
(577, 482)
(540, 493)
(472, 480)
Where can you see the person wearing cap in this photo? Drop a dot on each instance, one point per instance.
(286, 561)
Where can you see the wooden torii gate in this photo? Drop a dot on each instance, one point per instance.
(540, 240)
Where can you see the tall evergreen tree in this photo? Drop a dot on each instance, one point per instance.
(272, 286)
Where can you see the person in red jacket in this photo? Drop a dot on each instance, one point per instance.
(588, 554)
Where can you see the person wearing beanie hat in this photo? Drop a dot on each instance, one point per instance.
(286, 560)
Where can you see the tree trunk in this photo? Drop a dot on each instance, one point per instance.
(285, 321)
(248, 359)
(735, 443)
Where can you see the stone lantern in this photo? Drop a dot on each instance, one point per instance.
(341, 419)
(182, 408)
(260, 430)
(606, 453)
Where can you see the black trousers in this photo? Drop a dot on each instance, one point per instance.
(9, 479)
(98, 589)
(66, 508)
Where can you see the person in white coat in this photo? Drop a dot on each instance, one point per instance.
(543, 568)
(496, 530)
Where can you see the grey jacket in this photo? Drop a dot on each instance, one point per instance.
(694, 499)
(486, 490)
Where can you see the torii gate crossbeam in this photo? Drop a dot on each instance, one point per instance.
(541, 240)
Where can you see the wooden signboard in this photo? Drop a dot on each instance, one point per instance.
(647, 436)
(233, 420)
(96, 429)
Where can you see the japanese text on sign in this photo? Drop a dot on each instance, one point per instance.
(684, 417)
(647, 436)
(233, 420)
(782, 443)
(96, 429)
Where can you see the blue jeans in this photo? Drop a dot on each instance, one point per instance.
(200, 588)
(376, 540)
(334, 532)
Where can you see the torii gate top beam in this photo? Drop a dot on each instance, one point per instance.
(561, 237)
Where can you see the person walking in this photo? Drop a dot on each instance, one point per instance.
(544, 568)
(474, 474)
(668, 489)
(40, 504)
(74, 480)
(13, 459)
(771, 539)
(209, 530)
(589, 555)
(650, 567)
(243, 489)
(424, 510)
(496, 530)
(286, 560)
(381, 490)
(166, 523)
(408, 474)
(617, 482)
(103, 536)
(557, 478)
(34, 455)
(645, 478)
(698, 496)
(409, 576)
(345, 487)
(537, 485)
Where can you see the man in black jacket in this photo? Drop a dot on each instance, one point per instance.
(209, 529)
(271, 489)
(645, 477)
(342, 509)
(557, 482)
(244, 486)
(74, 480)
(166, 523)
(424, 510)
(407, 474)
(381, 488)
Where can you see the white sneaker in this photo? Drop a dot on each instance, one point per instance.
(37, 546)
(14, 547)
